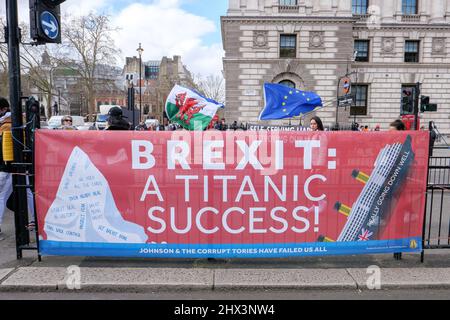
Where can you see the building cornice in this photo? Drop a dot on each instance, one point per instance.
(287, 19)
(378, 65)
(329, 20)
(409, 27)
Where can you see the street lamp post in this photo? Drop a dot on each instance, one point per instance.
(140, 50)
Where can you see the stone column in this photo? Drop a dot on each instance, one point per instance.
(252, 5)
(325, 6)
(388, 11)
(309, 7)
(234, 7)
(447, 11)
(425, 10)
(437, 11)
(344, 8)
(398, 10)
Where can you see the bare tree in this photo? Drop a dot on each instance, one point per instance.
(38, 66)
(212, 86)
(88, 40)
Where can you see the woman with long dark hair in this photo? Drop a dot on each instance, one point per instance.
(316, 124)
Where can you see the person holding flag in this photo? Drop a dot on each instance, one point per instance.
(190, 109)
(282, 102)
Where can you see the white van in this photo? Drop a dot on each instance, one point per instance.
(55, 121)
(152, 123)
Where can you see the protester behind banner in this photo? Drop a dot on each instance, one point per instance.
(67, 124)
(316, 124)
(190, 109)
(257, 127)
(116, 120)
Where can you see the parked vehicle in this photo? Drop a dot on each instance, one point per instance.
(152, 123)
(55, 122)
(101, 121)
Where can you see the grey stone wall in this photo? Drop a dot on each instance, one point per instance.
(326, 31)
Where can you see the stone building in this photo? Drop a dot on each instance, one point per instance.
(71, 95)
(156, 81)
(385, 45)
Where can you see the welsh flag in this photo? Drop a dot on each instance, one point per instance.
(190, 109)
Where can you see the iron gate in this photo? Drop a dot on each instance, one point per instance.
(436, 229)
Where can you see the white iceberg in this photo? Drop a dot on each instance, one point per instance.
(84, 209)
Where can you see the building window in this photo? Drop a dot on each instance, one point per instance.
(288, 46)
(288, 2)
(409, 7)
(287, 83)
(412, 51)
(360, 6)
(151, 72)
(360, 93)
(362, 48)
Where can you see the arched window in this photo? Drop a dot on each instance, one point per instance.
(287, 83)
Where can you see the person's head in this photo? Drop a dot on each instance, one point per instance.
(431, 125)
(397, 125)
(115, 112)
(316, 124)
(67, 121)
(377, 128)
(4, 106)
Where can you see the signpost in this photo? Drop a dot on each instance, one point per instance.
(344, 94)
(345, 101)
(50, 25)
(45, 16)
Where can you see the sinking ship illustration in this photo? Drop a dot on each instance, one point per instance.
(373, 208)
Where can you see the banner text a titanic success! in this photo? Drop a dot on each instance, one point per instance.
(213, 159)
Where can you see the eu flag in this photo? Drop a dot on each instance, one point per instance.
(282, 102)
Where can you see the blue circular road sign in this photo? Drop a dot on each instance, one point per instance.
(50, 25)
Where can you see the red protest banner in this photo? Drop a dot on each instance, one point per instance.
(230, 194)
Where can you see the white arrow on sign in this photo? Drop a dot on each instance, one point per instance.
(50, 25)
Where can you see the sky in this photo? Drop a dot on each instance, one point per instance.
(189, 28)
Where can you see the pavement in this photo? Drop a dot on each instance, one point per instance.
(135, 280)
(100, 275)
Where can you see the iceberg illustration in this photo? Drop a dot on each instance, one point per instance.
(84, 209)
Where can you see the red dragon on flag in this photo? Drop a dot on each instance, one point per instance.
(187, 106)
